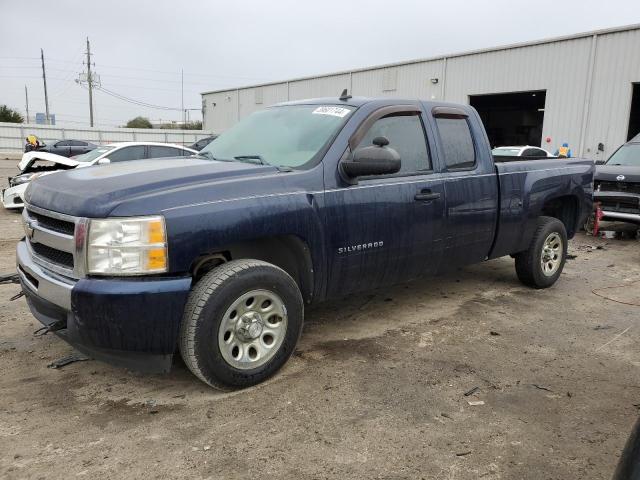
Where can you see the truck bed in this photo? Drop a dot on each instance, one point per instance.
(525, 186)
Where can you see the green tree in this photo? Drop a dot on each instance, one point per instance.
(196, 125)
(10, 115)
(139, 122)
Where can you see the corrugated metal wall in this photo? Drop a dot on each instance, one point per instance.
(587, 78)
(559, 68)
(616, 68)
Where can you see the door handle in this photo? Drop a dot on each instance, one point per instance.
(426, 195)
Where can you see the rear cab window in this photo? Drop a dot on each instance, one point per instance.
(458, 148)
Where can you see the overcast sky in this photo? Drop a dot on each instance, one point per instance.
(139, 47)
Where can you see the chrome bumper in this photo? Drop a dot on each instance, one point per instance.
(49, 286)
(628, 217)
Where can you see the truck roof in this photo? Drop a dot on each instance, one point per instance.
(360, 101)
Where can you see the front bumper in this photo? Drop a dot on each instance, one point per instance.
(13, 197)
(132, 323)
(619, 206)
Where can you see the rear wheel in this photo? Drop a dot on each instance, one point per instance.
(241, 324)
(541, 264)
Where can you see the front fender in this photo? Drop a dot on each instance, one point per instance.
(194, 231)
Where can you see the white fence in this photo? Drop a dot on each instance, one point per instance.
(12, 135)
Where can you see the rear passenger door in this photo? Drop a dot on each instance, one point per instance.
(386, 229)
(63, 148)
(470, 186)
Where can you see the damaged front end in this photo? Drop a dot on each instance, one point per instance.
(32, 166)
(617, 190)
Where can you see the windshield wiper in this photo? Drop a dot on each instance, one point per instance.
(257, 159)
(205, 155)
(210, 156)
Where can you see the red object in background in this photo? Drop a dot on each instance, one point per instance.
(548, 139)
(596, 219)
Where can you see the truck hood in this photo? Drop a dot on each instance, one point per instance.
(96, 192)
(609, 173)
(30, 157)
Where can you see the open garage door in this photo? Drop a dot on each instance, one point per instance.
(634, 116)
(512, 118)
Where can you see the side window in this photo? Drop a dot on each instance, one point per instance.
(63, 143)
(539, 153)
(534, 152)
(127, 153)
(457, 142)
(159, 152)
(76, 143)
(406, 136)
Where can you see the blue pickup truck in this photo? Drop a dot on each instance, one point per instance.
(217, 255)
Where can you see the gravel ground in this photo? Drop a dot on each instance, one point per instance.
(375, 389)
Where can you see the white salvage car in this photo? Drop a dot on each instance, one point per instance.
(35, 164)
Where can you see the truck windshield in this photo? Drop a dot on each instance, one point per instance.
(287, 136)
(628, 155)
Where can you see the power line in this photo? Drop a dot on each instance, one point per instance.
(136, 102)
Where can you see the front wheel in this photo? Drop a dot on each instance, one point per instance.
(541, 264)
(241, 324)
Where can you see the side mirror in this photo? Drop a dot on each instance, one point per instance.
(600, 162)
(104, 161)
(378, 159)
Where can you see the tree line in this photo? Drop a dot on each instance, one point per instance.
(13, 116)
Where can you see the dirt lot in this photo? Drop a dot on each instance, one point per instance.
(375, 390)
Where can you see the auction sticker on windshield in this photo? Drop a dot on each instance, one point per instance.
(333, 111)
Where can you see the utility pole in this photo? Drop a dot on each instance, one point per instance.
(46, 98)
(26, 99)
(182, 95)
(90, 82)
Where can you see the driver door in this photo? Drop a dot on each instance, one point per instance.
(387, 229)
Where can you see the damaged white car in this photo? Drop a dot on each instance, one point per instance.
(35, 164)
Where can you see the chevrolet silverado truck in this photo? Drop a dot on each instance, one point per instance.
(216, 255)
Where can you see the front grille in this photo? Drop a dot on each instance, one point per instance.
(622, 205)
(617, 187)
(55, 224)
(53, 255)
(51, 240)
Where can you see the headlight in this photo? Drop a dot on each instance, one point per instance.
(127, 246)
(20, 179)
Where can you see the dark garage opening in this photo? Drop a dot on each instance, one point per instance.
(634, 116)
(512, 118)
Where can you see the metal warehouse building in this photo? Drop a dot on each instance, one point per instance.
(582, 89)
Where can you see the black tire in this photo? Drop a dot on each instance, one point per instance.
(529, 263)
(206, 306)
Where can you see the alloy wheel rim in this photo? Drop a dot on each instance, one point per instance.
(551, 256)
(252, 329)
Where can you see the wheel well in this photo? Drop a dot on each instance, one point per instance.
(565, 209)
(288, 252)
